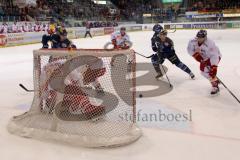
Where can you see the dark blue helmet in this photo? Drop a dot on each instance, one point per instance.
(202, 33)
(157, 28)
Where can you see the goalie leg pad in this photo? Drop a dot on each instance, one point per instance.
(91, 75)
(77, 106)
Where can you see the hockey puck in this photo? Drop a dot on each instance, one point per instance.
(140, 95)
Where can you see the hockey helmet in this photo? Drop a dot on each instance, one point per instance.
(202, 33)
(157, 28)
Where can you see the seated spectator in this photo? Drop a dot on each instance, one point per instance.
(26, 27)
(1, 28)
(4, 28)
(14, 28)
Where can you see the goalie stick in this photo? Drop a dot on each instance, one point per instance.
(172, 31)
(24, 88)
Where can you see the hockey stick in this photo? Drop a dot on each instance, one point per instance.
(24, 88)
(143, 55)
(160, 64)
(228, 90)
(234, 96)
(166, 75)
(173, 31)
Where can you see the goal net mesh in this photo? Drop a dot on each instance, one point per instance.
(82, 97)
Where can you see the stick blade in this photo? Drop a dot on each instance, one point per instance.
(24, 88)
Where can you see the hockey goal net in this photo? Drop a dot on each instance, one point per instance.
(81, 98)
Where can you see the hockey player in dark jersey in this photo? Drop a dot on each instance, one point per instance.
(58, 39)
(164, 48)
(61, 40)
(157, 28)
(50, 32)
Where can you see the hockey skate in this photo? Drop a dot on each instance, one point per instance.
(159, 75)
(192, 76)
(215, 88)
(45, 46)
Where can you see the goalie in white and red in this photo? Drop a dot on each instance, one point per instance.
(74, 100)
(205, 51)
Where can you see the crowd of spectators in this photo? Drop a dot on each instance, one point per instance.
(78, 9)
(18, 27)
(118, 10)
(135, 9)
(46, 9)
(214, 5)
(13, 11)
(86, 10)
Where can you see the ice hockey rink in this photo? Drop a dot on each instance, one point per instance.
(212, 134)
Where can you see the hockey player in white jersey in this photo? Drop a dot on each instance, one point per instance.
(205, 51)
(120, 40)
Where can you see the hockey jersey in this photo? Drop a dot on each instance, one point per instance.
(119, 38)
(208, 50)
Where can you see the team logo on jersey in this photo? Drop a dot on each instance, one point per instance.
(3, 40)
(166, 44)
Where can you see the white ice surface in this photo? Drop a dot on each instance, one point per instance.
(213, 134)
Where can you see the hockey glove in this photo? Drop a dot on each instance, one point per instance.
(114, 42)
(203, 64)
(198, 57)
(125, 46)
